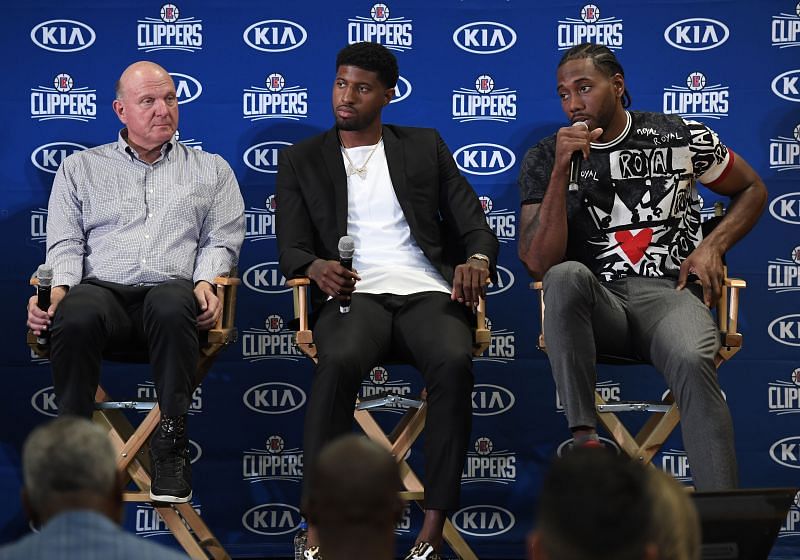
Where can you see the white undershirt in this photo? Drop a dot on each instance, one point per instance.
(387, 257)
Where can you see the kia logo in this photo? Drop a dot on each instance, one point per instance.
(484, 37)
(696, 34)
(504, 281)
(63, 35)
(187, 88)
(786, 86)
(263, 157)
(275, 35)
(786, 330)
(271, 519)
(786, 208)
(402, 90)
(274, 398)
(786, 452)
(484, 159)
(48, 157)
(265, 278)
(483, 520)
(490, 400)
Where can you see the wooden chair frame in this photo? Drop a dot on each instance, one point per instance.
(664, 415)
(405, 433)
(133, 461)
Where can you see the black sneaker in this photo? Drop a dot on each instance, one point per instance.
(169, 453)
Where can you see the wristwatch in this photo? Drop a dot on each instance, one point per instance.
(481, 257)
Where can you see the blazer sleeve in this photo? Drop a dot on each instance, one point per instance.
(461, 209)
(294, 230)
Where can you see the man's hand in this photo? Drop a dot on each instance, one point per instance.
(469, 282)
(39, 320)
(210, 309)
(333, 279)
(706, 264)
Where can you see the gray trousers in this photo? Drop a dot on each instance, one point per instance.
(646, 319)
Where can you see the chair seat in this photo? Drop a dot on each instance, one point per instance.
(384, 399)
(634, 406)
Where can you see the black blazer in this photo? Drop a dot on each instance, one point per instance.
(441, 208)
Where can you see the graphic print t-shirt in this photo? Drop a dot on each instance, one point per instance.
(636, 211)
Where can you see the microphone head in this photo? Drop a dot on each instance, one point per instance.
(577, 123)
(45, 275)
(347, 246)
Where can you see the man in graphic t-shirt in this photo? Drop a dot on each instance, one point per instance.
(617, 252)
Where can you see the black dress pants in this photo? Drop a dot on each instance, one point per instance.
(96, 318)
(426, 330)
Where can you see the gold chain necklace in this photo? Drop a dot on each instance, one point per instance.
(351, 168)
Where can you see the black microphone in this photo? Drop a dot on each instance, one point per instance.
(346, 249)
(575, 162)
(45, 275)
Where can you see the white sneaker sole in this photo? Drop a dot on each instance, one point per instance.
(170, 499)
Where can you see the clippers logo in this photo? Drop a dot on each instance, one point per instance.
(187, 88)
(566, 445)
(696, 34)
(484, 37)
(259, 223)
(697, 100)
(610, 391)
(484, 159)
(169, 32)
(487, 465)
(785, 330)
(63, 35)
(149, 522)
(271, 519)
(147, 392)
(504, 281)
(265, 278)
(43, 401)
(501, 346)
(783, 397)
(275, 35)
(784, 152)
(274, 462)
(491, 400)
(39, 225)
(395, 33)
(792, 526)
(379, 384)
(190, 142)
(273, 342)
(275, 100)
(484, 102)
(786, 29)
(63, 101)
(783, 275)
(786, 208)
(403, 526)
(263, 157)
(786, 452)
(274, 398)
(676, 463)
(503, 222)
(786, 86)
(590, 28)
(401, 90)
(483, 520)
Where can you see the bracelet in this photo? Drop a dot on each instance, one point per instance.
(481, 257)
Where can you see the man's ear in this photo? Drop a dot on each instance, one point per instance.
(388, 95)
(119, 110)
(28, 508)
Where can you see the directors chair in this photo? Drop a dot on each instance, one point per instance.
(133, 461)
(664, 415)
(399, 441)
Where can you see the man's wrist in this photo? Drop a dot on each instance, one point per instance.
(480, 257)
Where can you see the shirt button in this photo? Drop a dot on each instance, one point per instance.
(150, 215)
(143, 261)
(147, 236)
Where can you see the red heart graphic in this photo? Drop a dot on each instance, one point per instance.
(634, 245)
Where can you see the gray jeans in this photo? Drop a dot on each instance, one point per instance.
(647, 319)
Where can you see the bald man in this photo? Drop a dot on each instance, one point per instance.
(353, 503)
(137, 230)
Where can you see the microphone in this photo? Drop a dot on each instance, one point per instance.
(347, 246)
(575, 162)
(45, 275)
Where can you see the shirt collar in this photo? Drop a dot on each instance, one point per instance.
(618, 139)
(124, 147)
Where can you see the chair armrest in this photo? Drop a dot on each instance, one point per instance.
(304, 338)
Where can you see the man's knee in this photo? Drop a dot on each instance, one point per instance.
(565, 281)
(80, 312)
(171, 304)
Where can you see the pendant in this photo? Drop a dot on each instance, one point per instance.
(353, 170)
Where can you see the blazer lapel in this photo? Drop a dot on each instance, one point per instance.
(332, 154)
(396, 160)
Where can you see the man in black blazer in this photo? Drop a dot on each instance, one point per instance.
(423, 256)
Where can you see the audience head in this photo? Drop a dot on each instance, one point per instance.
(352, 499)
(677, 523)
(594, 505)
(69, 464)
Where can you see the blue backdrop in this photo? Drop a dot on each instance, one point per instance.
(255, 76)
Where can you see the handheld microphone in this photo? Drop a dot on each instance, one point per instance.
(347, 246)
(45, 275)
(575, 162)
